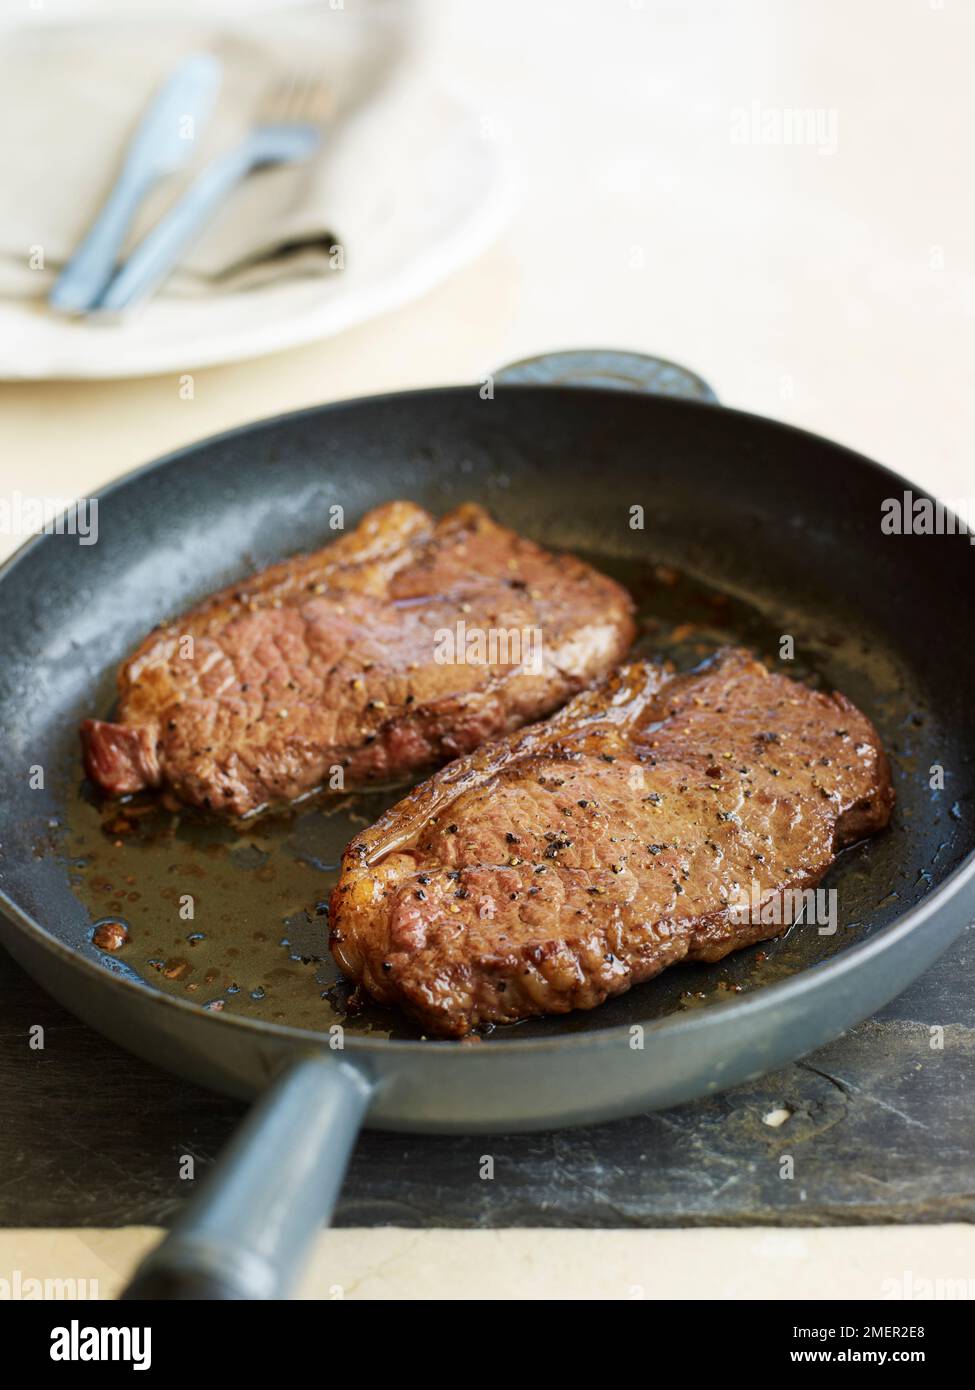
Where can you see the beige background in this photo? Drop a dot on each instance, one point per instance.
(836, 290)
(831, 286)
(879, 1262)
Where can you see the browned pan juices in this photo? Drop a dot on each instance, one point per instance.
(257, 942)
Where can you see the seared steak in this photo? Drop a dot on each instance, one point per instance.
(561, 865)
(330, 660)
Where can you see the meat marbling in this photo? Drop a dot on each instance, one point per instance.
(559, 866)
(328, 660)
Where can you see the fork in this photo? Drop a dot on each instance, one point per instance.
(288, 130)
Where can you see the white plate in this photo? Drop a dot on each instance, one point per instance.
(449, 209)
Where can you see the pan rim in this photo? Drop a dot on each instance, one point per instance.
(287, 417)
(811, 979)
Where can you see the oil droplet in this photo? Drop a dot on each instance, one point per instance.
(110, 933)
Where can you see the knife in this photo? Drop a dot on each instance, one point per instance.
(159, 147)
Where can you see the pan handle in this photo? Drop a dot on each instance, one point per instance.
(616, 371)
(245, 1234)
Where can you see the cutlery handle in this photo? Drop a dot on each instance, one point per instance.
(84, 277)
(161, 249)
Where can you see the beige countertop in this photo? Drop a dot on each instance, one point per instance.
(895, 1263)
(829, 282)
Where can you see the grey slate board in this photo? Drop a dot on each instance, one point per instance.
(882, 1129)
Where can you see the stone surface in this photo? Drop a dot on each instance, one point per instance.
(879, 1129)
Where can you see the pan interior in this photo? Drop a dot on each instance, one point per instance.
(750, 533)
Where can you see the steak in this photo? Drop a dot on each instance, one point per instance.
(639, 827)
(358, 657)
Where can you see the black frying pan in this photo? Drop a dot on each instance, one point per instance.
(752, 531)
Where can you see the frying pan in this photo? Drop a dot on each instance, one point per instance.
(768, 532)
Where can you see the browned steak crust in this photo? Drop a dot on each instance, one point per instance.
(561, 865)
(328, 660)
